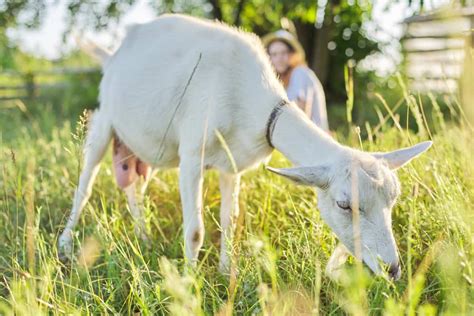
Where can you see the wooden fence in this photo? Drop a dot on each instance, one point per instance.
(438, 48)
(15, 85)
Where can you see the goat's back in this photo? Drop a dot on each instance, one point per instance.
(149, 82)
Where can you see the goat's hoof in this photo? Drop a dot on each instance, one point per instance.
(335, 274)
(146, 241)
(227, 270)
(65, 249)
(64, 259)
(65, 255)
(144, 237)
(190, 268)
(140, 232)
(229, 273)
(224, 268)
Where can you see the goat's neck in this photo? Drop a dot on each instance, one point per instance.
(301, 141)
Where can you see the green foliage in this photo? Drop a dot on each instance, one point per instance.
(11, 10)
(348, 42)
(342, 20)
(96, 14)
(7, 53)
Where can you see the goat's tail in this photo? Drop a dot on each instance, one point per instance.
(101, 54)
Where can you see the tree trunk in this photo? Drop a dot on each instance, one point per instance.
(216, 9)
(315, 43)
(238, 12)
(319, 61)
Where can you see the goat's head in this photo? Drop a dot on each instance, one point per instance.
(360, 188)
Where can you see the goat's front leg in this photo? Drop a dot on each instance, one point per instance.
(229, 185)
(98, 137)
(336, 261)
(190, 187)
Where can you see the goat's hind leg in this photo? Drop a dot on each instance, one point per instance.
(135, 195)
(98, 137)
(132, 176)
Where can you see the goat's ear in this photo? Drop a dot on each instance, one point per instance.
(313, 176)
(401, 157)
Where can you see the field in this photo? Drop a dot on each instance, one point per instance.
(283, 244)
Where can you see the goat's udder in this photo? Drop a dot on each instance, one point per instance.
(127, 166)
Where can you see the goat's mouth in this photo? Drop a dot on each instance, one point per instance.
(393, 271)
(378, 266)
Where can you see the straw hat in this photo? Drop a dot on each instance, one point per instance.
(288, 38)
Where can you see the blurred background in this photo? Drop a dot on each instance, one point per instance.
(394, 73)
(376, 45)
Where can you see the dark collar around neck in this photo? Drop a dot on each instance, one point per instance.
(272, 119)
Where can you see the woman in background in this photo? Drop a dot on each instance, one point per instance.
(301, 84)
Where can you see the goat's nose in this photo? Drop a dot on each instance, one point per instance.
(394, 271)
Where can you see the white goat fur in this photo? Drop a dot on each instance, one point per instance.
(219, 80)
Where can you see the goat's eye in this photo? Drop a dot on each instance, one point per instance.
(345, 205)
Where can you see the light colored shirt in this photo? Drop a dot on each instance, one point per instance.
(304, 85)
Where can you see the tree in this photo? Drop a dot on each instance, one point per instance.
(331, 31)
(9, 13)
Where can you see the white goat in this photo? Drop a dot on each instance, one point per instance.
(178, 83)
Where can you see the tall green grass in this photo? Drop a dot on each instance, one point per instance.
(283, 244)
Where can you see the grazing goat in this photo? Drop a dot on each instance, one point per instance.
(194, 94)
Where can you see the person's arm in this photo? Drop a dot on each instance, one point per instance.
(297, 90)
(319, 113)
(305, 89)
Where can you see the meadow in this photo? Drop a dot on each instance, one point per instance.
(282, 247)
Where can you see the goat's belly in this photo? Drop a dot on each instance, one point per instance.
(149, 145)
(160, 156)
